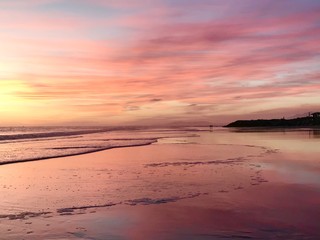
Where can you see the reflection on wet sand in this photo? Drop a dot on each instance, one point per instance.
(220, 185)
(314, 133)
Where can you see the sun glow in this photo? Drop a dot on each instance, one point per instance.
(14, 104)
(9, 90)
(115, 65)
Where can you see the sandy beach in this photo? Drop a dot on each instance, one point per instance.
(215, 186)
(159, 120)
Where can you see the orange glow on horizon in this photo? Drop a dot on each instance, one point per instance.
(156, 63)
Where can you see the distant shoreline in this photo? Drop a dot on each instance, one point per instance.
(278, 123)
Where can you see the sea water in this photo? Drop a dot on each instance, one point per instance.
(189, 183)
(18, 144)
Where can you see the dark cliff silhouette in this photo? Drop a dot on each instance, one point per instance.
(309, 121)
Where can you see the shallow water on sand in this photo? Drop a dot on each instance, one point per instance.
(223, 184)
(37, 143)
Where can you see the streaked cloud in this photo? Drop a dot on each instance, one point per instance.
(161, 61)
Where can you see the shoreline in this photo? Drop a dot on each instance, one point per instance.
(294, 122)
(76, 154)
(129, 191)
(127, 142)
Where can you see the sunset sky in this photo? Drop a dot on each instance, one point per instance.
(114, 62)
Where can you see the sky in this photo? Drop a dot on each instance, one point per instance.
(157, 62)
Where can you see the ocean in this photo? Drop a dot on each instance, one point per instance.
(20, 144)
(172, 183)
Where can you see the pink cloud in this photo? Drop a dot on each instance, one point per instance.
(209, 65)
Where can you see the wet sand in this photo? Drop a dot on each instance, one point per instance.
(221, 185)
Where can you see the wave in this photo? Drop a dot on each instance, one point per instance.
(25, 145)
(91, 150)
(48, 134)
